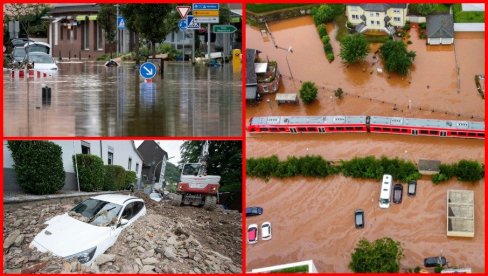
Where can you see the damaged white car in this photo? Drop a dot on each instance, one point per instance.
(90, 228)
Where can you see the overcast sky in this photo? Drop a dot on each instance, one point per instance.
(172, 147)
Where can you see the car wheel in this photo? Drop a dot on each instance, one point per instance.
(210, 203)
(177, 200)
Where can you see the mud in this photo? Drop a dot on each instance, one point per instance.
(318, 223)
(432, 85)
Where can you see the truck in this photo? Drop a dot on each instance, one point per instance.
(196, 187)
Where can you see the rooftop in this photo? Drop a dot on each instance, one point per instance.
(380, 7)
(440, 26)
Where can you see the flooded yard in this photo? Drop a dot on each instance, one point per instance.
(432, 85)
(89, 99)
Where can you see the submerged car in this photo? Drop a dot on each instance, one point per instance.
(266, 231)
(412, 187)
(252, 234)
(18, 54)
(90, 228)
(253, 211)
(435, 261)
(397, 193)
(359, 218)
(41, 61)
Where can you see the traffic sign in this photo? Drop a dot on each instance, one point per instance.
(120, 23)
(183, 10)
(214, 20)
(204, 13)
(206, 6)
(183, 24)
(224, 29)
(191, 23)
(148, 70)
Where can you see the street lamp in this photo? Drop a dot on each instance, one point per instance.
(290, 50)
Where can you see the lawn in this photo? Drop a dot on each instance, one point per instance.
(262, 8)
(461, 16)
(438, 8)
(295, 269)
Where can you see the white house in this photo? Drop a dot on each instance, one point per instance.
(377, 17)
(122, 153)
(440, 29)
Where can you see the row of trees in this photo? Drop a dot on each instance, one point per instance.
(368, 167)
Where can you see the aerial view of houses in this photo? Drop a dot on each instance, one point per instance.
(365, 137)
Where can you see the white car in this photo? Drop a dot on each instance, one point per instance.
(252, 234)
(90, 228)
(41, 61)
(266, 231)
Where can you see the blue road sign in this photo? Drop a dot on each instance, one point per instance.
(191, 23)
(183, 24)
(204, 6)
(120, 23)
(148, 70)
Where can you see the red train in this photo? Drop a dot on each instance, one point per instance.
(373, 124)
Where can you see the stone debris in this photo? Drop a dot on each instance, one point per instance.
(167, 239)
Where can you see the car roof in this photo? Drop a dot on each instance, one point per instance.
(117, 198)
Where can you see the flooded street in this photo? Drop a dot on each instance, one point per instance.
(432, 85)
(89, 100)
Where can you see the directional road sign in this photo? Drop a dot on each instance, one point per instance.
(224, 29)
(204, 13)
(183, 24)
(183, 10)
(148, 70)
(120, 23)
(191, 23)
(206, 6)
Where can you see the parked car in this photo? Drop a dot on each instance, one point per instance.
(20, 41)
(359, 218)
(397, 193)
(266, 231)
(90, 228)
(41, 61)
(18, 54)
(42, 47)
(412, 187)
(254, 211)
(435, 261)
(252, 234)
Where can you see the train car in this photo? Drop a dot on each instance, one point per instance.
(307, 124)
(427, 127)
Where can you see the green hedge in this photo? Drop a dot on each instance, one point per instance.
(130, 178)
(38, 166)
(370, 167)
(464, 170)
(114, 178)
(90, 172)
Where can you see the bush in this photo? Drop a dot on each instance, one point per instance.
(322, 30)
(262, 167)
(165, 48)
(407, 26)
(90, 172)
(308, 92)
(370, 167)
(325, 39)
(354, 48)
(38, 166)
(438, 269)
(339, 93)
(382, 255)
(330, 57)
(396, 58)
(326, 13)
(130, 178)
(328, 48)
(114, 179)
(416, 269)
(470, 171)
(423, 26)
(438, 178)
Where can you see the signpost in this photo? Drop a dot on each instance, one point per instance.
(183, 10)
(191, 23)
(206, 13)
(148, 70)
(224, 29)
(183, 24)
(120, 23)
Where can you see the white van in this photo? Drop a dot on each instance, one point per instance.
(385, 191)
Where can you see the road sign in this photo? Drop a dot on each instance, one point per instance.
(183, 10)
(206, 6)
(205, 13)
(183, 24)
(148, 70)
(214, 20)
(224, 29)
(191, 23)
(120, 23)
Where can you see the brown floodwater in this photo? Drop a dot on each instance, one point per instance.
(89, 99)
(432, 85)
(313, 219)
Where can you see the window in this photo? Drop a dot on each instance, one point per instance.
(386, 129)
(423, 131)
(110, 160)
(372, 22)
(264, 129)
(132, 209)
(377, 23)
(86, 34)
(354, 8)
(358, 128)
(355, 16)
(397, 19)
(371, 14)
(396, 11)
(282, 129)
(130, 164)
(349, 128)
(137, 168)
(434, 132)
(85, 147)
(312, 129)
(302, 129)
(377, 14)
(99, 37)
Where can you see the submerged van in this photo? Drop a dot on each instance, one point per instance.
(385, 192)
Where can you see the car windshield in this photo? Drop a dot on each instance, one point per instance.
(19, 52)
(191, 169)
(265, 230)
(384, 201)
(252, 234)
(40, 59)
(38, 48)
(96, 212)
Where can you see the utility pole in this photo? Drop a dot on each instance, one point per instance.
(193, 48)
(208, 44)
(117, 32)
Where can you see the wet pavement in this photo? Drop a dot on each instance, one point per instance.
(89, 99)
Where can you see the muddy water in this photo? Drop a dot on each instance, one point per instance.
(92, 100)
(432, 84)
(318, 222)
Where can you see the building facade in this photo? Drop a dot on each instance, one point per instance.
(153, 156)
(122, 153)
(377, 17)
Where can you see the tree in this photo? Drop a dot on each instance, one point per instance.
(354, 48)
(326, 13)
(152, 22)
(225, 159)
(396, 57)
(106, 19)
(308, 92)
(383, 255)
(421, 9)
(339, 93)
(172, 173)
(29, 17)
(469, 171)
